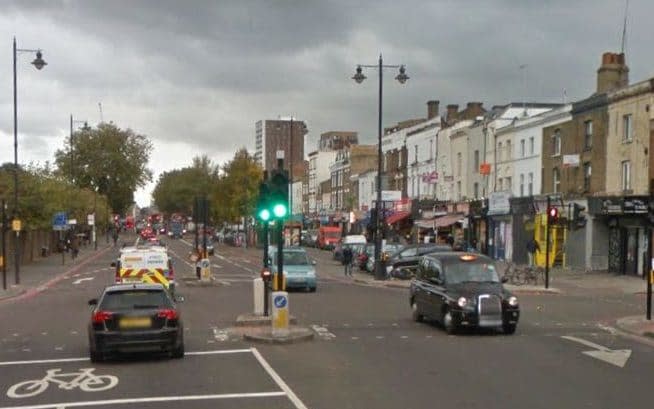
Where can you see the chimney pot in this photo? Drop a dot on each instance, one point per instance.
(432, 109)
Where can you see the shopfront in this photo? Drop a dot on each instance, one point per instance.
(500, 226)
(628, 232)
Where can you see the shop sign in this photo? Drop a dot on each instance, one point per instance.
(499, 203)
(634, 205)
(612, 205)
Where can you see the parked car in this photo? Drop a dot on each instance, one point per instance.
(462, 290)
(353, 241)
(300, 271)
(387, 250)
(412, 251)
(405, 267)
(308, 240)
(135, 317)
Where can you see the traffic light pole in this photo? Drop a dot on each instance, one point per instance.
(547, 245)
(4, 247)
(280, 256)
(266, 243)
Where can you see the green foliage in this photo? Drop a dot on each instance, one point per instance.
(236, 192)
(109, 159)
(176, 190)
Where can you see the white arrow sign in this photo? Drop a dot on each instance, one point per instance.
(79, 280)
(617, 357)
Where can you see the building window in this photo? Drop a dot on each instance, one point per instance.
(522, 148)
(477, 161)
(499, 151)
(556, 180)
(458, 190)
(588, 134)
(556, 143)
(475, 188)
(415, 154)
(626, 175)
(458, 164)
(522, 184)
(531, 145)
(509, 154)
(530, 184)
(431, 149)
(500, 184)
(508, 183)
(587, 173)
(627, 128)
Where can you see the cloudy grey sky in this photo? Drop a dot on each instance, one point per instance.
(195, 76)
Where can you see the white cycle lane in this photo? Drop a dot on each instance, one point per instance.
(205, 379)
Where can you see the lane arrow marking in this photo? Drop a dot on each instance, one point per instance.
(617, 357)
(79, 280)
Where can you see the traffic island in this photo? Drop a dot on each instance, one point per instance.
(254, 320)
(265, 335)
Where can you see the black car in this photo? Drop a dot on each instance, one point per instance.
(133, 318)
(462, 290)
(409, 256)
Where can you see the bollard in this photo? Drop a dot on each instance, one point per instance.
(258, 296)
(280, 314)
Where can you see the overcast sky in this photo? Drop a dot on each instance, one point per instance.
(195, 76)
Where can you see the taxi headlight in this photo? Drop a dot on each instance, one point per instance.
(462, 302)
(513, 301)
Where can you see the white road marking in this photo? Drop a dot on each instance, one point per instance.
(220, 335)
(404, 337)
(278, 380)
(379, 337)
(323, 332)
(44, 333)
(617, 357)
(354, 338)
(395, 324)
(27, 350)
(73, 332)
(151, 399)
(59, 348)
(52, 361)
(79, 280)
(15, 335)
(611, 330)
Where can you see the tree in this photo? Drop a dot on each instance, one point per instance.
(235, 194)
(176, 190)
(108, 159)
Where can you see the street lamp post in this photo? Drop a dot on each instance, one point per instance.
(39, 63)
(401, 78)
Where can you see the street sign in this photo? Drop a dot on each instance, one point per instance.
(280, 313)
(72, 221)
(16, 225)
(90, 219)
(60, 221)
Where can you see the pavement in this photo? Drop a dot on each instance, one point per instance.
(47, 271)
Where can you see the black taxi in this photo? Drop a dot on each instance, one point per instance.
(462, 290)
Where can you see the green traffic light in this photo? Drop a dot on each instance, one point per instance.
(279, 210)
(264, 215)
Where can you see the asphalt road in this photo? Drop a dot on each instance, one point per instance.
(367, 352)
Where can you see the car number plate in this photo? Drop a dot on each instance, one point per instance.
(131, 280)
(135, 322)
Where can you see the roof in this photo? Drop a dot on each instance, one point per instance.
(134, 286)
(451, 257)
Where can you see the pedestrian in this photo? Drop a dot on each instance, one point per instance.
(114, 236)
(532, 248)
(74, 246)
(347, 260)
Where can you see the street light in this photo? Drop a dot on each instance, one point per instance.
(402, 77)
(39, 63)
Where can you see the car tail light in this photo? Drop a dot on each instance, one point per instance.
(168, 314)
(171, 270)
(99, 317)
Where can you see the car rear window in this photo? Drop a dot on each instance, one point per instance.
(127, 300)
(295, 258)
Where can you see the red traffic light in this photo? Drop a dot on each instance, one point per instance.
(266, 275)
(552, 215)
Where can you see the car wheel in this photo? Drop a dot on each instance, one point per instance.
(312, 289)
(509, 329)
(96, 356)
(415, 314)
(448, 323)
(179, 351)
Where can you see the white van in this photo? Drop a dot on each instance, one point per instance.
(354, 239)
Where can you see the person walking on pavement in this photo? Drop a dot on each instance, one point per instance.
(532, 248)
(347, 260)
(114, 236)
(74, 246)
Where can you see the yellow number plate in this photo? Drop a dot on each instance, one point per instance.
(138, 322)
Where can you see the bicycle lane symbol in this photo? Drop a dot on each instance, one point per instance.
(84, 379)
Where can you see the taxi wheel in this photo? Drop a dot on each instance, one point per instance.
(417, 317)
(448, 324)
(179, 351)
(96, 356)
(509, 329)
(312, 289)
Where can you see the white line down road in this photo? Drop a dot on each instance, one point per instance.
(79, 280)
(617, 357)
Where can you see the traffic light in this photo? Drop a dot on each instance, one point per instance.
(263, 211)
(578, 220)
(278, 203)
(552, 215)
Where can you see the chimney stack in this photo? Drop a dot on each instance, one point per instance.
(473, 110)
(613, 73)
(432, 109)
(452, 113)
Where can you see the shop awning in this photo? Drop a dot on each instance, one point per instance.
(447, 220)
(396, 217)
